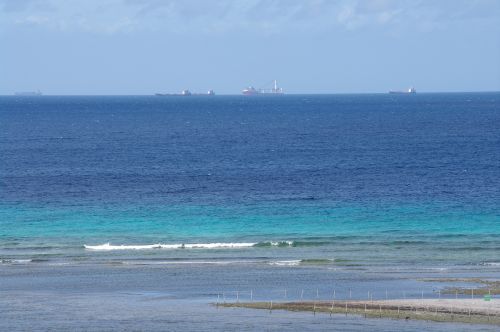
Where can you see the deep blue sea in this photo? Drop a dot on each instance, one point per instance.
(291, 186)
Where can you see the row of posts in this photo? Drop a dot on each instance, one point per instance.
(370, 295)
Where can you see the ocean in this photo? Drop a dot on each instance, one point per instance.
(131, 199)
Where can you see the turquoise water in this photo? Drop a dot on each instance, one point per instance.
(430, 234)
(180, 223)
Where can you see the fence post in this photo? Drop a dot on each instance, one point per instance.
(302, 294)
(251, 295)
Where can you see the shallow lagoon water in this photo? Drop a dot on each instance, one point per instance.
(180, 297)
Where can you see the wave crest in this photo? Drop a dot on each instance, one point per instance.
(218, 245)
(275, 244)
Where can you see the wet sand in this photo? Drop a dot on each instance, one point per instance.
(475, 311)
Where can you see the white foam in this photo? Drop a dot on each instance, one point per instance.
(280, 243)
(294, 262)
(185, 262)
(108, 246)
(216, 245)
(492, 263)
(219, 245)
(15, 261)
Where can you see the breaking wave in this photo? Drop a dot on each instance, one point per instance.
(219, 245)
(15, 261)
(292, 262)
(308, 261)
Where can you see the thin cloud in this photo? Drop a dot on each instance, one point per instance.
(256, 16)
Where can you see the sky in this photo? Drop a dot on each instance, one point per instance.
(122, 47)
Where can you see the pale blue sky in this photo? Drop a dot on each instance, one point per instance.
(310, 46)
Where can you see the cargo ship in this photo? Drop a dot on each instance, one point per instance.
(251, 91)
(409, 91)
(186, 93)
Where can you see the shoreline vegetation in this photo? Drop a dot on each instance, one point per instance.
(474, 311)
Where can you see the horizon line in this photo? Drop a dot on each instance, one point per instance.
(240, 94)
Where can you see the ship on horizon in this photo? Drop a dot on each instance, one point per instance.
(409, 91)
(251, 91)
(186, 92)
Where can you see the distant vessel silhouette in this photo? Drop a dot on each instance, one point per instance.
(250, 91)
(409, 91)
(186, 92)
